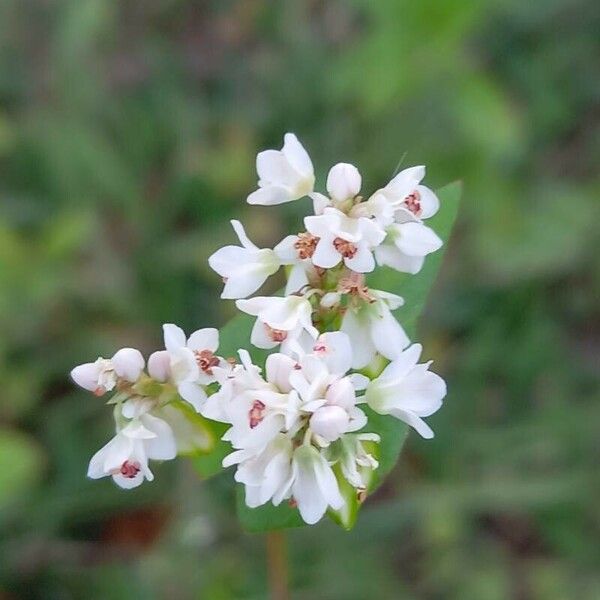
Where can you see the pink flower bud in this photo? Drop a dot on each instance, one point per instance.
(159, 365)
(343, 181)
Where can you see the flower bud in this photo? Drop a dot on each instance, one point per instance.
(330, 422)
(341, 393)
(128, 364)
(330, 299)
(343, 182)
(159, 365)
(86, 376)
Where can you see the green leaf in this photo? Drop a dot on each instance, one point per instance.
(415, 290)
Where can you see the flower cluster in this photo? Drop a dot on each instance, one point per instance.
(298, 428)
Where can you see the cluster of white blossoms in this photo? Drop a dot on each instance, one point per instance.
(297, 427)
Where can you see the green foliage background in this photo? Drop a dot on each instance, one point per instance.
(128, 132)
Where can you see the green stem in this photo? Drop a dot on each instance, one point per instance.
(277, 565)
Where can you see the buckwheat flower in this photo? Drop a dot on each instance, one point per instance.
(296, 251)
(102, 375)
(343, 182)
(283, 175)
(314, 486)
(403, 195)
(372, 328)
(330, 398)
(259, 413)
(126, 456)
(344, 238)
(408, 391)
(243, 268)
(407, 244)
(266, 474)
(279, 319)
(191, 361)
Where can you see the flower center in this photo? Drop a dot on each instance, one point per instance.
(344, 247)
(354, 284)
(206, 360)
(130, 469)
(277, 335)
(413, 203)
(255, 414)
(306, 245)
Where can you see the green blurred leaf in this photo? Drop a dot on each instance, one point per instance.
(20, 464)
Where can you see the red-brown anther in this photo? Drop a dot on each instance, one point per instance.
(344, 247)
(292, 503)
(354, 284)
(255, 414)
(130, 469)
(99, 391)
(206, 360)
(277, 335)
(413, 203)
(361, 495)
(306, 245)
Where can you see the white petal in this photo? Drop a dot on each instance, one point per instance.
(390, 256)
(253, 306)
(128, 364)
(416, 239)
(421, 391)
(260, 337)
(328, 484)
(193, 393)
(362, 261)
(270, 196)
(273, 167)
(322, 225)
(204, 339)
(241, 233)
(111, 456)
(305, 489)
(336, 350)
(320, 202)
(341, 393)
(278, 369)
(363, 349)
(246, 283)
(326, 256)
(402, 365)
(297, 156)
(86, 376)
(297, 279)
(387, 335)
(405, 182)
(430, 203)
(415, 422)
(163, 446)
(174, 337)
(286, 251)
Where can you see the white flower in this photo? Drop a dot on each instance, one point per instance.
(279, 319)
(314, 486)
(296, 251)
(102, 376)
(284, 175)
(356, 462)
(406, 246)
(403, 195)
(191, 361)
(244, 268)
(329, 397)
(372, 328)
(408, 391)
(126, 456)
(343, 182)
(266, 474)
(344, 238)
(258, 413)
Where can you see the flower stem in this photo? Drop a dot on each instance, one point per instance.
(277, 565)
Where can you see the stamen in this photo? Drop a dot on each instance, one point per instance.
(306, 245)
(277, 335)
(206, 360)
(344, 247)
(354, 284)
(256, 413)
(130, 469)
(413, 203)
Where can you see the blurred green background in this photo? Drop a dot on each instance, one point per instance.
(128, 131)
